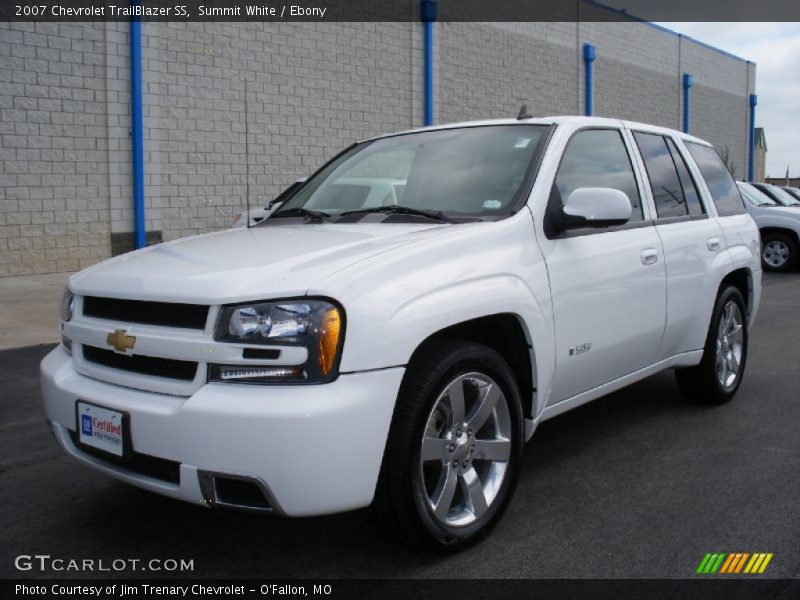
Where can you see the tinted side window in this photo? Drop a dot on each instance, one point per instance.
(664, 181)
(696, 207)
(598, 158)
(720, 184)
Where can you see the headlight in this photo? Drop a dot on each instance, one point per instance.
(67, 302)
(316, 325)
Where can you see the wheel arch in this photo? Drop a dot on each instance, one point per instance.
(742, 279)
(506, 334)
(774, 229)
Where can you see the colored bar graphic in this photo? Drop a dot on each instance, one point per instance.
(727, 564)
(757, 564)
(765, 563)
(703, 563)
(734, 561)
(751, 564)
(722, 563)
(718, 563)
(741, 562)
(738, 559)
(710, 564)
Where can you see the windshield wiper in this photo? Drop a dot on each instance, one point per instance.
(401, 210)
(316, 215)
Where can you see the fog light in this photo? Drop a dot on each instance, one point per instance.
(244, 374)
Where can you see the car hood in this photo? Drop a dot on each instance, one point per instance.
(245, 264)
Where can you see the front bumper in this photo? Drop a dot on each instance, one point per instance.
(317, 449)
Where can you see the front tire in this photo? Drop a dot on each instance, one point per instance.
(719, 374)
(452, 458)
(778, 252)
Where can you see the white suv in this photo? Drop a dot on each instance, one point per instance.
(340, 355)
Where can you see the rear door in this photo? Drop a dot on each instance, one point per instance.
(692, 239)
(608, 284)
(742, 241)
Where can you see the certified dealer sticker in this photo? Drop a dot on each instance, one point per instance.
(100, 428)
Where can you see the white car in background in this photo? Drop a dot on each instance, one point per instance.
(777, 195)
(795, 192)
(779, 226)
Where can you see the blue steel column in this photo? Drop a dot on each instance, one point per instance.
(751, 150)
(137, 141)
(428, 10)
(589, 54)
(687, 85)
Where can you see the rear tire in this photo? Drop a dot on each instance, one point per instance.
(452, 457)
(719, 374)
(778, 252)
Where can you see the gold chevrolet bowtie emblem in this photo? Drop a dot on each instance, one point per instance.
(120, 340)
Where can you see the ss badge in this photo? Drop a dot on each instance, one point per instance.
(580, 349)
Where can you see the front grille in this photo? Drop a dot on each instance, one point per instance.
(146, 365)
(143, 464)
(169, 314)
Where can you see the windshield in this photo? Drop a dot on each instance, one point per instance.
(754, 196)
(781, 197)
(466, 172)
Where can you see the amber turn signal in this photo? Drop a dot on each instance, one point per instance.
(330, 328)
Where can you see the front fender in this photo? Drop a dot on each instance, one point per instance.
(396, 301)
(420, 317)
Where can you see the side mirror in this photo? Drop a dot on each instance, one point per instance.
(275, 203)
(595, 207)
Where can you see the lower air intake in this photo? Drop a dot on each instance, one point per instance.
(234, 491)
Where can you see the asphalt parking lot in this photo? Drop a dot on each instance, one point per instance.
(638, 484)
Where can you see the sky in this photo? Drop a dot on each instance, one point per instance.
(775, 48)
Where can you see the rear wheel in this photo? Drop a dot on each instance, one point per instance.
(452, 457)
(778, 252)
(717, 377)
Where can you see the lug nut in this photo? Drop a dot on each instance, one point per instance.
(466, 464)
(455, 464)
(452, 447)
(469, 432)
(458, 432)
(472, 448)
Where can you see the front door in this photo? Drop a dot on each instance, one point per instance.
(608, 284)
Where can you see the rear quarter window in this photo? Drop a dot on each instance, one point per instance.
(720, 183)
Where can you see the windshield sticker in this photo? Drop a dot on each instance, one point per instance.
(522, 142)
(493, 204)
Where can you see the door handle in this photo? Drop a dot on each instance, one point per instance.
(714, 244)
(649, 256)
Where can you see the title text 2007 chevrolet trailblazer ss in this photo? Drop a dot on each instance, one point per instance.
(397, 328)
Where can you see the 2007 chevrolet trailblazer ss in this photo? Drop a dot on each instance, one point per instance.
(395, 330)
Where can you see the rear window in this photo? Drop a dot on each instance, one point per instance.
(666, 185)
(720, 184)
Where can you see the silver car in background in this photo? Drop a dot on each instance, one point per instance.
(778, 224)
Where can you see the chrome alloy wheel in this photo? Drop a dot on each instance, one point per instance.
(730, 345)
(465, 449)
(775, 253)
